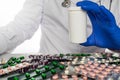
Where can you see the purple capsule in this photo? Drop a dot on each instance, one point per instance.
(26, 69)
(46, 62)
(36, 60)
(37, 56)
(40, 56)
(31, 56)
(31, 61)
(36, 66)
(40, 63)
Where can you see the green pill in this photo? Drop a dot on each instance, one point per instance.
(61, 55)
(53, 71)
(78, 54)
(5, 66)
(73, 55)
(18, 61)
(22, 57)
(37, 71)
(15, 78)
(82, 54)
(67, 54)
(43, 75)
(46, 67)
(88, 55)
(13, 58)
(32, 79)
(27, 75)
(54, 63)
(61, 67)
(10, 62)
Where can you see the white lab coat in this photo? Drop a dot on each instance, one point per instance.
(54, 20)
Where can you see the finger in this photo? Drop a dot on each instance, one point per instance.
(92, 17)
(93, 20)
(107, 13)
(89, 6)
(90, 41)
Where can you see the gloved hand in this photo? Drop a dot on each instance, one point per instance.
(106, 33)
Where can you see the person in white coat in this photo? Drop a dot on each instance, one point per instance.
(54, 26)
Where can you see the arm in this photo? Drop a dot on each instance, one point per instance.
(22, 27)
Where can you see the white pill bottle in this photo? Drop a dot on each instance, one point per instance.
(77, 24)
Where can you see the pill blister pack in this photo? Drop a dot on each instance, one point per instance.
(77, 66)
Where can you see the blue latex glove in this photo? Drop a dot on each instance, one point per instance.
(106, 33)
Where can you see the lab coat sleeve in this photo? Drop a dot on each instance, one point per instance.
(25, 23)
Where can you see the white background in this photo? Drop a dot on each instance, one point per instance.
(8, 10)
